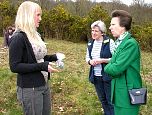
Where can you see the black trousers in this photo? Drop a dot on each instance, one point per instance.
(103, 89)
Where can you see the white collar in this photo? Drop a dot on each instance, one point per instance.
(122, 36)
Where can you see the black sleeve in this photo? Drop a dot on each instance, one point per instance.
(16, 55)
(50, 58)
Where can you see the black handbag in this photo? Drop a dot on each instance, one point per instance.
(138, 96)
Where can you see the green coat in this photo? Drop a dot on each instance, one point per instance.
(124, 62)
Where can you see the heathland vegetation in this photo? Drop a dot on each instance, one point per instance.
(68, 20)
(72, 94)
(65, 27)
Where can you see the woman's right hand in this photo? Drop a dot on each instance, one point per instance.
(99, 61)
(51, 69)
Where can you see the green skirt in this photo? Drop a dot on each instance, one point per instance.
(126, 111)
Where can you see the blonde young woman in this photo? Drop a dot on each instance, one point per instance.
(28, 58)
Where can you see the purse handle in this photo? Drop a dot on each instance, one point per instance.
(143, 71)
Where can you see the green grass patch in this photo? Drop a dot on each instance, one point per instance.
(71, 92)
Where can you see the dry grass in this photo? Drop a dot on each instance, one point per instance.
(72, 94)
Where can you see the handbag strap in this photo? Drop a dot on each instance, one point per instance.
(126, 79)
(143, 71)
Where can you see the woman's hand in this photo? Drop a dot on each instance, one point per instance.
(51, 64)
(99, 61)
(51, 69)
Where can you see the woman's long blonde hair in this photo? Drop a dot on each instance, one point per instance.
(25, 20)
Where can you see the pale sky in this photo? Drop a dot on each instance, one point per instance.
(128, 2)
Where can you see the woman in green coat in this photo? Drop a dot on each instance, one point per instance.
(124, 66)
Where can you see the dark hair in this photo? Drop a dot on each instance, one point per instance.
(10, 28)
(125, 18)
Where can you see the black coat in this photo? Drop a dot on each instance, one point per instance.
(23, 62)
